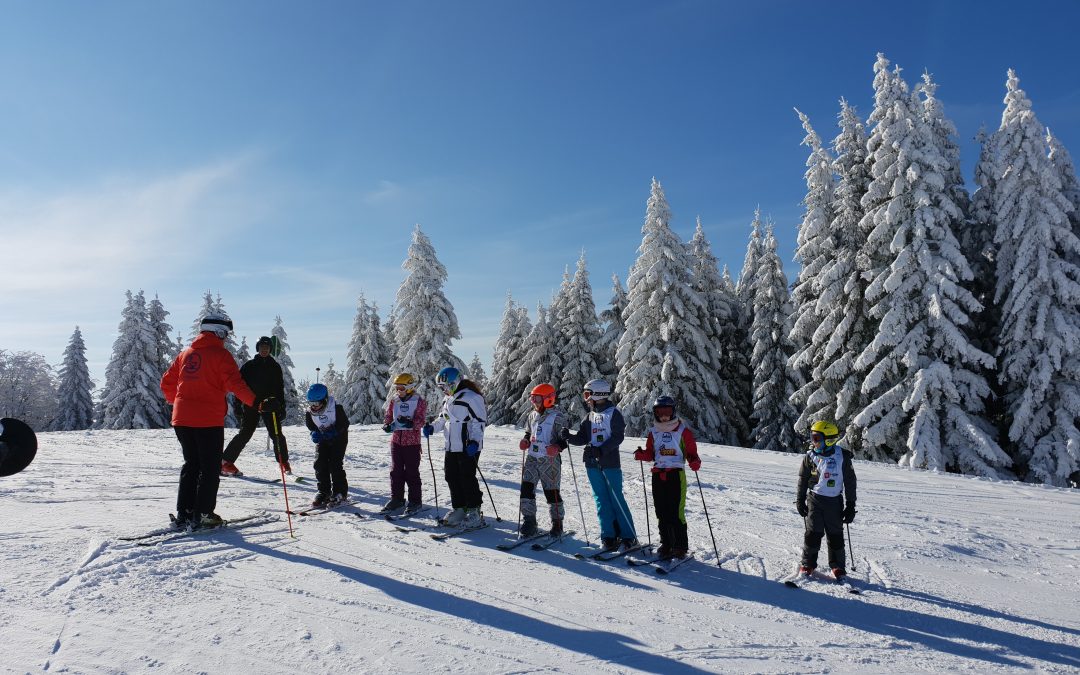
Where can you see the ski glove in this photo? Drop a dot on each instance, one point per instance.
(849, 513)
(564, 434)
(330, 434)
(523, 444)
(553, 450)
(267, 404)
(428, 430)
(316, 436)
(472, 448)
(804, 510)
(694, 464)
(388, 428)
(643, 455)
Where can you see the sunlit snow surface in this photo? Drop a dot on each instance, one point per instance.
(960, 574)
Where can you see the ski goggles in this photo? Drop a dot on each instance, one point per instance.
(817, 437)
(317, 406)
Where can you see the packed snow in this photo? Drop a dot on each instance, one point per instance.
(958, 573)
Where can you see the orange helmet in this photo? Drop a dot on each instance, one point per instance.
(547, 391)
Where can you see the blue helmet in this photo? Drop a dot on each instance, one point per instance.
(317, 392)
(449, 378)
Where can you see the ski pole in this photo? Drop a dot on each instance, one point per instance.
(847, 527)
(488, 490)
(316, 374)
(284, 486)
(577, 493)
(648, 531)
(434, 487)
(707, 521)
(521, 481)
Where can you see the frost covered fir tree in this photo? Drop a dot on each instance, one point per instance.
(332, 377)
(815, 250)
(424, 320)
(774, 382)
(540, 362)
(476, 372)
(164, 348)
(504, 385)
(365, 388)
(721, 331)
(612, 328)
(75, 405)
(926, 395)
(1070, 184)
(293, 413)
(133, 396)
(27, 389)
(1038, 289)
(577, 343)
(665, 349)
(736, 358)
(976, 238)
(833, 389)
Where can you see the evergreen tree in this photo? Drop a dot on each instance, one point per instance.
(664, 349)
(27, 389)
(721, 333)
(476, 372)
(363, 392)
(816, 250)
(424, 320)
(926, 397)
(774, 382)
(75, 391)
(577, 345)
(134, 395)
(976, 238)
(1038, 288)
(539, 363)
(834, 390)
(164, 352)
(504, 386)
(293, 412)
(333, 378)
(1066, 170)
(737, 356)
(613, 328)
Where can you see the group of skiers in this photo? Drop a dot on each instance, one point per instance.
(200, 377)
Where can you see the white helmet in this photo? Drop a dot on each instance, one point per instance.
(217, 323)
(598, 389)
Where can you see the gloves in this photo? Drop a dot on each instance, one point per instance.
(388, 428)
(849, 513)
(428, 430)
(694, 464)
(267, 404)
(553, 450)
(404, 422)
(472, 448)
(639, 455)
(803, 509)
(523, 444)
(329, 434)
(316, 436)
(564, 434)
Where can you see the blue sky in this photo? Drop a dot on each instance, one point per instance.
(280, 153)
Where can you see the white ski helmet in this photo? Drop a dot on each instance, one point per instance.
(598, 389)
(217, 323)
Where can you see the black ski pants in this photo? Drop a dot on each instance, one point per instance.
(330, 467)
(824, 519)
(201, 472)
(248, 424)
(669, 499)
(460, 472)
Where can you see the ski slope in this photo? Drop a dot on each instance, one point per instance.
(959, 574)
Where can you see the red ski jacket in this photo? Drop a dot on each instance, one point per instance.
(198, 380)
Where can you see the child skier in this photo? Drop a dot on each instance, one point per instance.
(828, 475)
(404, 419)
(330, 431)
(601, 432)
(462, 420)
(543, 464)
(670, 445)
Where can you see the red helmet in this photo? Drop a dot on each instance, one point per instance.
(547, 391)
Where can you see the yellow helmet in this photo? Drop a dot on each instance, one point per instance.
(406, 380)
(826, 429)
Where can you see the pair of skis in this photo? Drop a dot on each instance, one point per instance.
(607, 555)
(540, 541)
(158, 536)
(799, 580)
(324, 508)
(660, 565)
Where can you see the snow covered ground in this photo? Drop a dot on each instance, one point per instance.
(960, 574)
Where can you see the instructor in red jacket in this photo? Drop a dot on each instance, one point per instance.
(195, 386)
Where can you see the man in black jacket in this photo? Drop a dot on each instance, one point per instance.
(263, 375)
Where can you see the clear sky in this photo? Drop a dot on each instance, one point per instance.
(280, 153)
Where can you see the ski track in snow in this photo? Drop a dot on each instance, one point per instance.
(959, 574)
